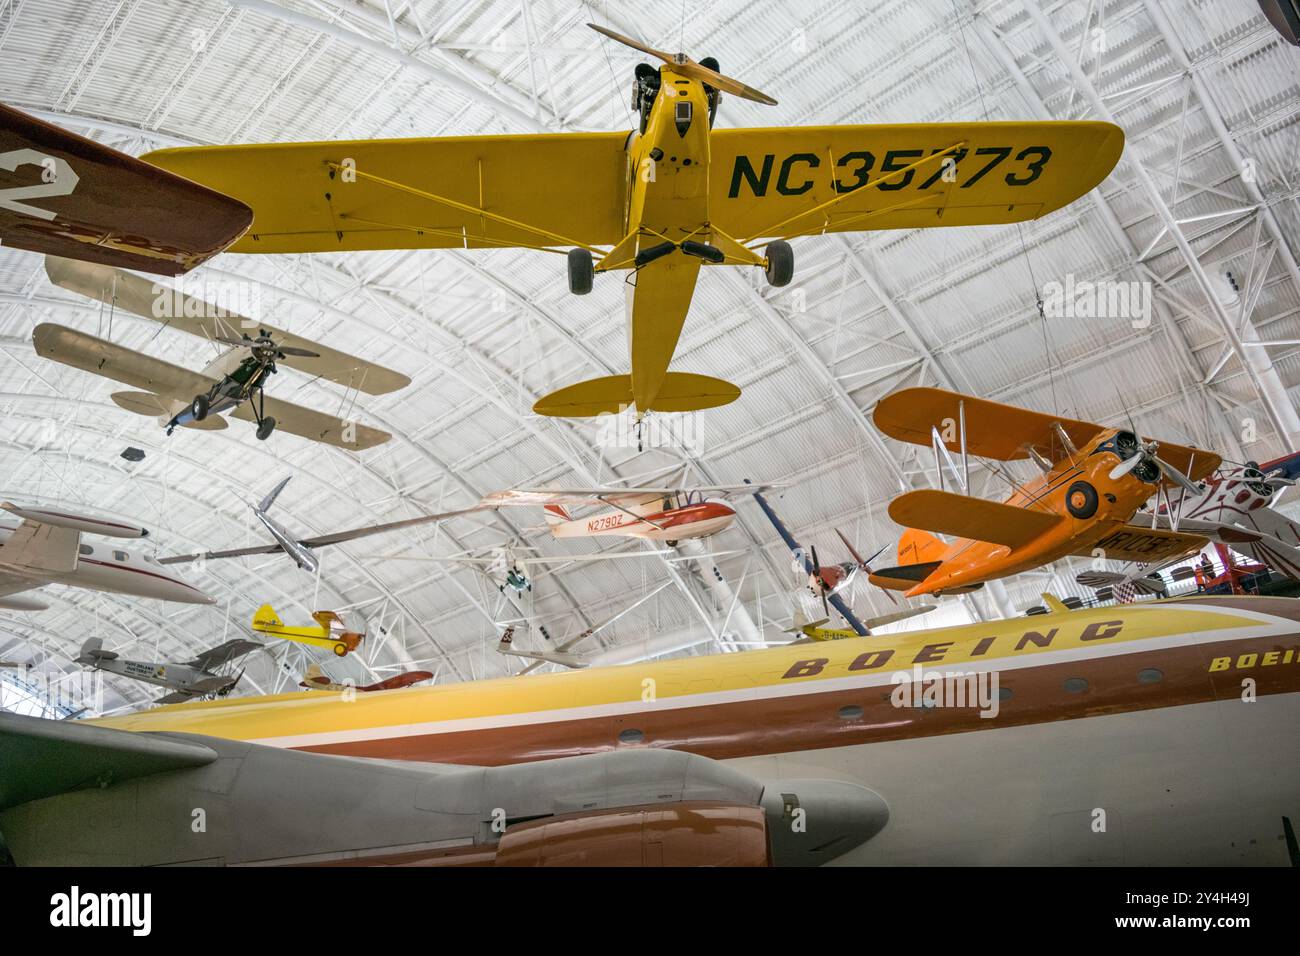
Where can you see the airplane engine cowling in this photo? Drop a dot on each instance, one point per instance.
(89, 524)
(699, 833)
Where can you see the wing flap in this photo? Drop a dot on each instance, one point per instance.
(965, 517)
(778, 182)
(375, 194)
(42, 758)
(79, 350)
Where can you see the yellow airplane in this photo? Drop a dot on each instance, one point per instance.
(330, 632)
(661, 201)
(814, 631)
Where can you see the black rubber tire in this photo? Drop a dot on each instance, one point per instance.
(340, 650)
(581, 271)
(264, 430)
(1088, 507)
(780, 264)
(199, 407)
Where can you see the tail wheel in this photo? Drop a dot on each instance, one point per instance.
(199, 408)
(1081, 500)
(340, 650)
(264, 428)
(581, 271)
(780, 263)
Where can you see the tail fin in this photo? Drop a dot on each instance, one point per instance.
(313, 674)
(274, 493)
(555, 515)
(506, 637)
(266, 616)
(918, 547)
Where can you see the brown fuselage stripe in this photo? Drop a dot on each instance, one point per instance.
(812, 721)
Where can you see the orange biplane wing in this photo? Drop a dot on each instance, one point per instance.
(1135, 543)
(966, 517)
(993, 430)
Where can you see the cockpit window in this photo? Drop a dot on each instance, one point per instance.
(85, 549)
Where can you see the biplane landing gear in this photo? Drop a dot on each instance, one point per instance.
(199, 408)
(780, 263)
(265, 424)
(264, 428)
(581, 271)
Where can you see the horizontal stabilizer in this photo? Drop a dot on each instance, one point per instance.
(681, 392)
(42, 758)
(904, 577)
(965, 517)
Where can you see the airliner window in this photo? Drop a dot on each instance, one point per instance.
(119, 555)
(85, 549)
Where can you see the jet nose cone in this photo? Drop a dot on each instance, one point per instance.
(811, 822)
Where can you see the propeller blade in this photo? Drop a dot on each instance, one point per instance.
(684, 65)
(634, 44)
(826, 605)
(1125, 466)
(1169, 471)
(726, 84)
(293, 350)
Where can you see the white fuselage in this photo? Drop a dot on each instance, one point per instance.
(107, 567)
(654, 519)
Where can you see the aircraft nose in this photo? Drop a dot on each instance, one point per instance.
(811, 822)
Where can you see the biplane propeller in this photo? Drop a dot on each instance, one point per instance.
(672, 196)
(1094, 479)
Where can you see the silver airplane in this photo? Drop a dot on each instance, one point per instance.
(186, 681)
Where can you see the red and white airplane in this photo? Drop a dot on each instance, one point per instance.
(45, 547)
(656, 514)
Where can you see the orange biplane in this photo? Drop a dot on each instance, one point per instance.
(1093, 481)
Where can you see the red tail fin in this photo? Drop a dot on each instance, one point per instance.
(555, 514)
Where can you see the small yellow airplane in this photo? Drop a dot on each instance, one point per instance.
(331, 632)
(659, 201)
(814, 631)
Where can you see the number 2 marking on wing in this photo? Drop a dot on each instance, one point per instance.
(59, 178)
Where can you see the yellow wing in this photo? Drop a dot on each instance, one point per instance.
(967, 517)
(377, 194)
(779, 182)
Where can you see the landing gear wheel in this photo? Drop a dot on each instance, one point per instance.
(264, 428)
(780, 263)
(199, 408)
(340, 650)
(581, 270)
(1081, 500)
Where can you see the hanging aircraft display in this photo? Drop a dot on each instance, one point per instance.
(674, 195)
(190, 680)
(1093, 481)
(562, 652)
(329, 633)
(45, 546)
(316, 679)
(300, 549)
(825, 582)
(811, 631)
(654, 514)
(233, 382)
